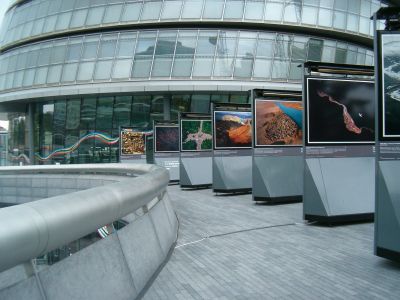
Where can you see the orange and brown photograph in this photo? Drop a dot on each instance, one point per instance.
(278, 123)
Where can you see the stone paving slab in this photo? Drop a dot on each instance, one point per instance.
(292, 261)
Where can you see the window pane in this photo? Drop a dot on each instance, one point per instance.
(203, 67)
(90, 48)
(279, 69)
(131, 12)
(182, 66)
(113, 13)
(325, 17)
(295, 72)
(141, 111)
(74, 50)
(179, 103)
(104, 113)
(122, 111)
(273, 11)
(85, 72)
(126, 47)
(41, 75)
(254, 10)
(243, 67)
(95, 15)
(122, 68)
(200, 103)
(265, 48)
(88, 113)
(315, 49)
(192, 9)
(78, 18)
(54, 75)
(213, 9)
(107, 47)
(161, 67)
(58, 54)
(151, 10)
(103, 70)
(234, 9)
(73, 113)
(309, 15)
(69, 72)
(292, 12)
(352, 22)
(246, 47)
(63, 21)
(223, 67)
(206, 45)
(339, 20)
(171, 10)
(262, 68)
(141, 67)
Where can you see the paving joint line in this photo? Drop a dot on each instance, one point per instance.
(235, 232)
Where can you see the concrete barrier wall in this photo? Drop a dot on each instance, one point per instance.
(121, 266)
(117, 267)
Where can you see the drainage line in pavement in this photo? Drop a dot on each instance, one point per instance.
(251, 229)
(234, 232)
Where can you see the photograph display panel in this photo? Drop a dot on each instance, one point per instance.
(132, 142)
(340, 111)
(232, 129)
(278, 123)
(196, 135)
(166, 138)
(390, 78)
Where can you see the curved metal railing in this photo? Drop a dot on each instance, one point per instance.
(33, 229)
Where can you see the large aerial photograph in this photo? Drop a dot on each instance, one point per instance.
(166, 138)
(278, 123)
(391, 84)
(232, 129)
(196, 135)
(133, 142)
(340, 111)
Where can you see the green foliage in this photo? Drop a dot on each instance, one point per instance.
(190, 127)
(206, 145)
(207, 127)
(190, 145)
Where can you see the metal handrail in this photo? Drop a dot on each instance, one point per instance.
(32, 229)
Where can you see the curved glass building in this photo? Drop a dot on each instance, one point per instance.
(71, 71)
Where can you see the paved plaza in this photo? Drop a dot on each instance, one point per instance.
(232, 248)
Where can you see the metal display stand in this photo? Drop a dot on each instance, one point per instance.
(387, 218)
(277, 169)
(126, 149)
(166, 147)
(195, 166)
(338, 176)
(231, 165)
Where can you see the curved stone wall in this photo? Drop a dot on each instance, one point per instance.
(121, 266)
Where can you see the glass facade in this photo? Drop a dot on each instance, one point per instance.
(75, 46)
(170, 55)
(42, 17)
(66, 130)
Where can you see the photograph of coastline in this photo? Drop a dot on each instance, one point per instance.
(132, 142)
(232, 129)
(391, 85)
(166, 138)
(278, 123)
(340, 111)
(196, 135)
